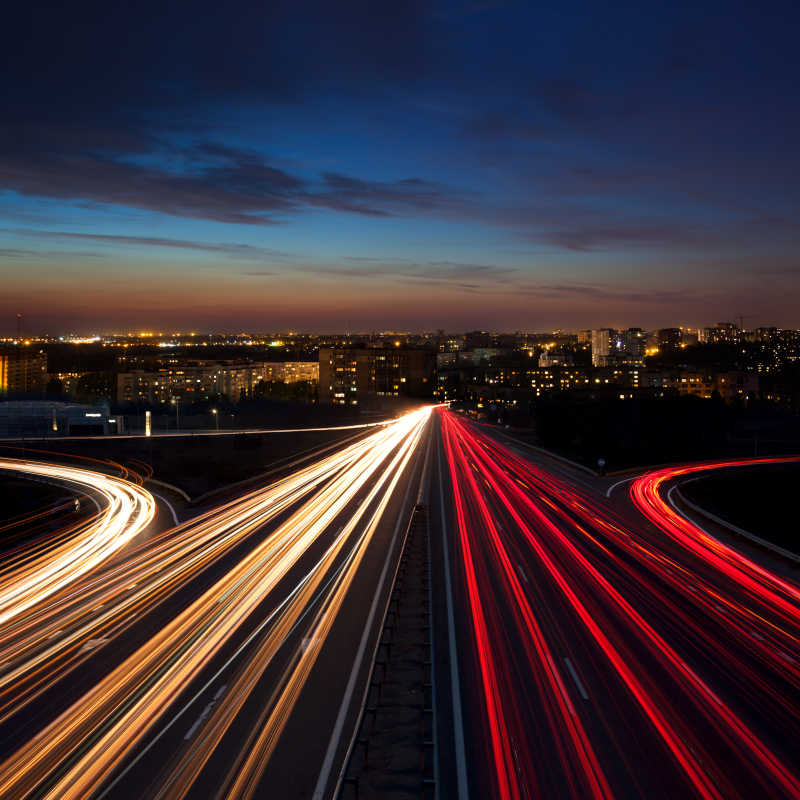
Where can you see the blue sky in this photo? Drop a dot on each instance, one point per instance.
(417, 165)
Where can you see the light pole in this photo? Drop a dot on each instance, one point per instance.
(176, 401)
(216, 417)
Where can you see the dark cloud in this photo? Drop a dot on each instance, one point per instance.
(606, 294)
(588, 238)
(377, 199)
(450, 273)
(91, 55)
(216, 182)
(236, 250)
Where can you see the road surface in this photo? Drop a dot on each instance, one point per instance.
(605, 653)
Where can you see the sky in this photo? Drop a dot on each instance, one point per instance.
(398, 165)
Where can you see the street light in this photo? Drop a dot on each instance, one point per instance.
(216, 417)
(176, 401)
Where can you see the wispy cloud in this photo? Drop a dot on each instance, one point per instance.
(232, 249)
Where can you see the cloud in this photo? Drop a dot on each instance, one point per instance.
(214, 181)
(375, 198)
(640, 234)
(452, 273)
(606, 294)
(232, 249)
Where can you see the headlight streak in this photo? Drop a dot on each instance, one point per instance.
(243, 777)
(49, 569)
(47, 642)
(76, 754)
(603, 610)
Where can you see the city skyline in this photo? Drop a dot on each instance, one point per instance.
(417, 167)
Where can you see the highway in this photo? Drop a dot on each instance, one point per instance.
(606, 652)
(33, 574)
(585, 647)
(228, 621)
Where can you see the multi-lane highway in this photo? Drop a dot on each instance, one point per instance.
(583, 646)
(605, 654)
(227, 621)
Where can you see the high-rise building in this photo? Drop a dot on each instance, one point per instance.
(23, 370)
(670, 338)
(604, 347)
(633, 346)
(348, 376)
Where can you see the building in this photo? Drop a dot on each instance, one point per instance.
(721, 332)
(604, 348)
(349, 376)
(633, 346)
(206, 380)
(730, 385)
(554, 358)
(291, 371)
(670, 338)
(23, 370)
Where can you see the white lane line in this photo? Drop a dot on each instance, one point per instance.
(619, 483)
(200, 720)
(723, 523)
(90, 644)
(220, 691)
(169, 506)
(455, 685)
(522, 573)
(336, 735)
(576, 679)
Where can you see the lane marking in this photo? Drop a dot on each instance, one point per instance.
(169, 506)
(200, 720)
(575, 678)
(455, 685)
(336, 734)
(723, 523)
(91, 644)
(619, 483)
(522, 573)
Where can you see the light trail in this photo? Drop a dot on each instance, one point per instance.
(760, 583)
(656, 617)
(34, 574)
(80, 751)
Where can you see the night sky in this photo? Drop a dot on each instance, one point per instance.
(375, 165)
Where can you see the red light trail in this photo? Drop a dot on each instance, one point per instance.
(654, 617)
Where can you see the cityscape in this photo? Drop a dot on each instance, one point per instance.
(399, 402)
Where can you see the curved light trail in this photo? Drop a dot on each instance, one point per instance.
(611, 659)
(79, 753)
(760, 583)
(35, 574)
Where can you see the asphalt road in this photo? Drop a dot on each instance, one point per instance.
(235, 647)
(598, 653)
(583, 646)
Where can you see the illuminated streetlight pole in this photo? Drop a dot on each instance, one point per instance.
(216, 417)
(176, 401)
